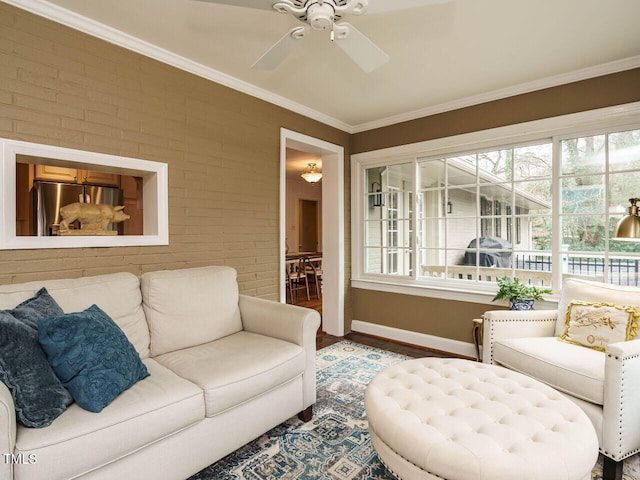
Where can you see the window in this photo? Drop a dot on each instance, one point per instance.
(535, 206)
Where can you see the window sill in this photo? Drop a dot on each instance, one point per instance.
(461, 294)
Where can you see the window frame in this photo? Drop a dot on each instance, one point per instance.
(554, 129)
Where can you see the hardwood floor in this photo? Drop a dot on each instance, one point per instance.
(314, 303)
(324, 340)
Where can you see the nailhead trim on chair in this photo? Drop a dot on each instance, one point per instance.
(539, 320)
(621, 405)
(632, 452)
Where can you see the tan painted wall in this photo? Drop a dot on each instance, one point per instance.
(599, 92)
(441, 318)
(451, 319)
(65, 88)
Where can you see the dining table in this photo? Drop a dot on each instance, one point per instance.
(302, 255)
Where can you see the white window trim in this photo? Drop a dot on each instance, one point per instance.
(553, 128)
(155, 196)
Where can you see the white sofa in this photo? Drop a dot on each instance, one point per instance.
(224, 368)
(606, 385)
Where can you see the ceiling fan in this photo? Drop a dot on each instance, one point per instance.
(327, 15)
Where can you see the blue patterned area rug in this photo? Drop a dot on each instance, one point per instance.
(335, 444)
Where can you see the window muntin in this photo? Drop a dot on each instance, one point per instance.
(388, 220)
(508, 192)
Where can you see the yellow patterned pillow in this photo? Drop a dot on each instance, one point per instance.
(596, 325)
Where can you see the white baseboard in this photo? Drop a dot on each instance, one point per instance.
(414, 338)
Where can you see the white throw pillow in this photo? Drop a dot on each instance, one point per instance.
(589, 291)
(596, 325)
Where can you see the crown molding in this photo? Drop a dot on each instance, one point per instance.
(78, 22)
(548, 82)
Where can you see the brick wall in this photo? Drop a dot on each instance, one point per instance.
(65, 88)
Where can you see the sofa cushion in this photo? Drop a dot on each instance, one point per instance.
(596, 325)
(237, 368)
(117, 294)
(91, 356)
(190, 307)
(37, 393)
(569, 368)
(80, 441)
(589, 291)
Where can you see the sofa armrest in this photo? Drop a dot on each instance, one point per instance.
(502, 324)
(286, 322)
(279, 320)
(621, 416)
(7, 432)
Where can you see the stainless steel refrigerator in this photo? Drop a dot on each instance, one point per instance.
(49, 197)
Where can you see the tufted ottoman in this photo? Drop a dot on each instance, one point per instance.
(435, 418)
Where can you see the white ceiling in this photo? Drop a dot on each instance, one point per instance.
(443, 55)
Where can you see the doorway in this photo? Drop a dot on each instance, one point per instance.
(309, 226)
(331, 217)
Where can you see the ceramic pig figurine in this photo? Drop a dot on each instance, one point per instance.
(94, 216)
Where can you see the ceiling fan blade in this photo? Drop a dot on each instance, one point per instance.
(363, 51)
(381, 6)
(259, 4)
(282, 48)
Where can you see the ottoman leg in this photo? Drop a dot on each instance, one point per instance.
(611, 470)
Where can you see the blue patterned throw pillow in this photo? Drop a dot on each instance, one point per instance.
(38, 395)
(91, 355)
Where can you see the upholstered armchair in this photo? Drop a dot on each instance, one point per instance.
(580, 350)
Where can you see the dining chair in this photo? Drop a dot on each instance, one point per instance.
(296, 278)
(314, 269)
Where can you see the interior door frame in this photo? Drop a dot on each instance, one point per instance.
(332, 224)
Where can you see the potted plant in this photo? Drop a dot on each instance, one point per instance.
(519, 294)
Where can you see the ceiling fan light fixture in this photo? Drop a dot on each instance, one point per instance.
(312, 173)
(320, 16)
